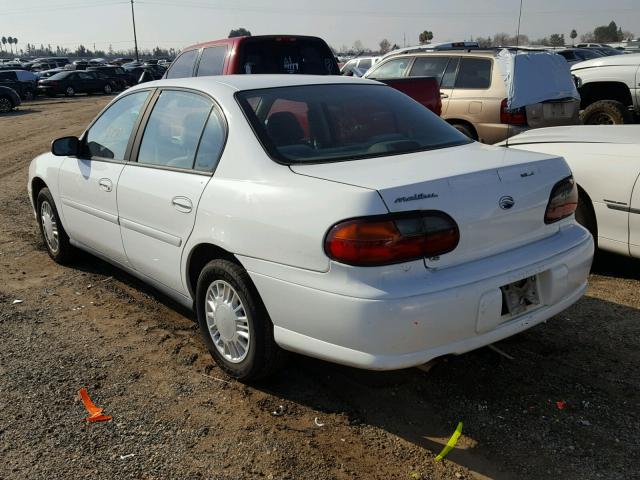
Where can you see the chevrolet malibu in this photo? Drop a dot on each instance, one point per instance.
(330, 216)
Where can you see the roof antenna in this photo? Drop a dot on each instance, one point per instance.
(515, 62)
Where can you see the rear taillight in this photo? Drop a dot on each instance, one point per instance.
(563, 201)
(394, 238)
(512, 116)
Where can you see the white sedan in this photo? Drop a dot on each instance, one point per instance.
(605, 160)
(330, 216)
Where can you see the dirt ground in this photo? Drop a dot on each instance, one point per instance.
(176, 415)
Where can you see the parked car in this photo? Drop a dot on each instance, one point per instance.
(121, 61)
(575, 55)
(9, 99)
(136, 73)
(357, 67)
(71, 82)
(21, 81)
(610, 89)
(48, 73)
(474, 96)
(606, 164)
(372, 234)
(256, 54)
(119, 77)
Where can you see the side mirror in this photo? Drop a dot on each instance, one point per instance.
(145, 77)
(65, 146)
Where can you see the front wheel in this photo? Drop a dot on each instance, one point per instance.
(234, 323)
(70, 92)
(55, 237)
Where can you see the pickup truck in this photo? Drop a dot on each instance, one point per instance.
(288, 54)
(610, 89)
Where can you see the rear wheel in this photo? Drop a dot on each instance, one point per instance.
(234, 323)
(5, 105)
(70, 92)
(606, 112)
(107, 89)
(463, 128)
(55, 237)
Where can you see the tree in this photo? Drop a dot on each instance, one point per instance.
(607, 33)
(587, 37)
(573, 36)
(425, 37)
(385, 46)
(627, 35)
(4, 41)
(556, 40)
(358, 47)
(239, 32)
(484, 42)
(501, 39)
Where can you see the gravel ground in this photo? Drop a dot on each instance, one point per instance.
(176, 415)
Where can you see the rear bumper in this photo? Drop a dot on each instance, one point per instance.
(458, 311)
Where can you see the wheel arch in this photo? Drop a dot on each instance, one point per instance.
(582, 194)
(596, 91)
(199, 256)
(466, 123)
(37, 184)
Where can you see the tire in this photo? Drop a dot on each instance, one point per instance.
(60, 250)
(239, 314)
(107, 89)
(6, 105)
(29, 95)
(586, 217)
(69, 92)
(606, 112)
(468, 131)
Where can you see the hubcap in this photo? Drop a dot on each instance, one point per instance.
(5, 105)
(49, 227)
(70, 91)
(227, 321)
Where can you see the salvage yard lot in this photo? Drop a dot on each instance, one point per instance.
(566, 406)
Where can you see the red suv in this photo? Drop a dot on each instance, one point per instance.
(256, 54)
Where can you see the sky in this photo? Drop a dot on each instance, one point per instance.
(178, 23)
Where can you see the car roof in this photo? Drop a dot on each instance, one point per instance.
(252, 82)
(448, 53)
(236, 40)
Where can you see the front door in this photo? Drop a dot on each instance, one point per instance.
(88, 182)
(158, 195)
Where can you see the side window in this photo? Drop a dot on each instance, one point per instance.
(364, 64)
(174, 128)
(392, 69)
(183, 65)
(429, 67)
(211, 143)
(109, 136)
(449, 77)
(474, 73)
(85, 76)
(212, 61)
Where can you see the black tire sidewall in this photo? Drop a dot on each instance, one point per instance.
(259, 324)
(465, 130)
(63, 255)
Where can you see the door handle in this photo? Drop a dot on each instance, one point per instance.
(105, 184)
(444, 95)
(182, 204)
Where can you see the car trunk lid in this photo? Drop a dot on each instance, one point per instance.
(497, 196)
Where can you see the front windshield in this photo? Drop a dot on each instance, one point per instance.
(321, 123)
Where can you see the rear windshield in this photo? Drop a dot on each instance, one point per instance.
(324, 123)
(287, 55)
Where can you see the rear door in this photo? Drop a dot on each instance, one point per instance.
(158, 194)
(88, 182)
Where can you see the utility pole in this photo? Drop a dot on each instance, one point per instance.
(135, 39)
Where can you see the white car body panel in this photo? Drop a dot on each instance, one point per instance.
(273, 218)
(605, 161)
